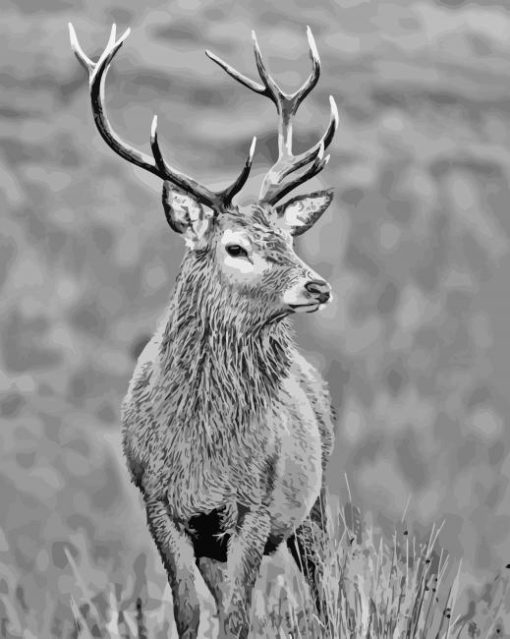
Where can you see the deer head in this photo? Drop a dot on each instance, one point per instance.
(242, 254)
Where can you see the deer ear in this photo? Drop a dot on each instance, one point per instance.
(186, 215)
(301, 213)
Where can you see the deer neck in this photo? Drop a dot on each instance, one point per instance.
(219, 358)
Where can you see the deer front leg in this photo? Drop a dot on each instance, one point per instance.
(214, 574)
(246, 549)
(305, 546)
(178, 559)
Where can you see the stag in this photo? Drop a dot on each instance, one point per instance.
(227, 429)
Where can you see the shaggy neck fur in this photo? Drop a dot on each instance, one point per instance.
(223, 358)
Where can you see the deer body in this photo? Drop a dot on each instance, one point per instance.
(227, 429)
(208, 449)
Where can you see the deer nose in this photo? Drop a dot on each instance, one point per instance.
(319, 289)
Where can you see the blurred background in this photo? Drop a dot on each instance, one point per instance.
(415, 346)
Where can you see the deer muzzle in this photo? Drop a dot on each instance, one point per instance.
(308, 296)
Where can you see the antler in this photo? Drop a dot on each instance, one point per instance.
(157, 165)
(273, 186)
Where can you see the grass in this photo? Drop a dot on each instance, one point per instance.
(375, 589)
(371, 588)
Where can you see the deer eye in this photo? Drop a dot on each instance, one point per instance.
(235, 250)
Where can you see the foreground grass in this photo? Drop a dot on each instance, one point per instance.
(371, 589)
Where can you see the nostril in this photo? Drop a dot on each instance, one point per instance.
(318, 288)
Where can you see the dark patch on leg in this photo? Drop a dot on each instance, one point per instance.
(207, 536)
(272, 544)
(209, 539)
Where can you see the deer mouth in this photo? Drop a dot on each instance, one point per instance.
(310, 307)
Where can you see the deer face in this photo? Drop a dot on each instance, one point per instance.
(251, 250)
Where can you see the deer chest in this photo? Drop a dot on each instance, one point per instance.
(298, 469)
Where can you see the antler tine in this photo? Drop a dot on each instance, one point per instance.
(240, 77)
(314, 76)
(272, 90)
(157, 165)
(268, 87)
(276, 191)
(113, 36)
(82, 57)
(180, 179)
(229, 193)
